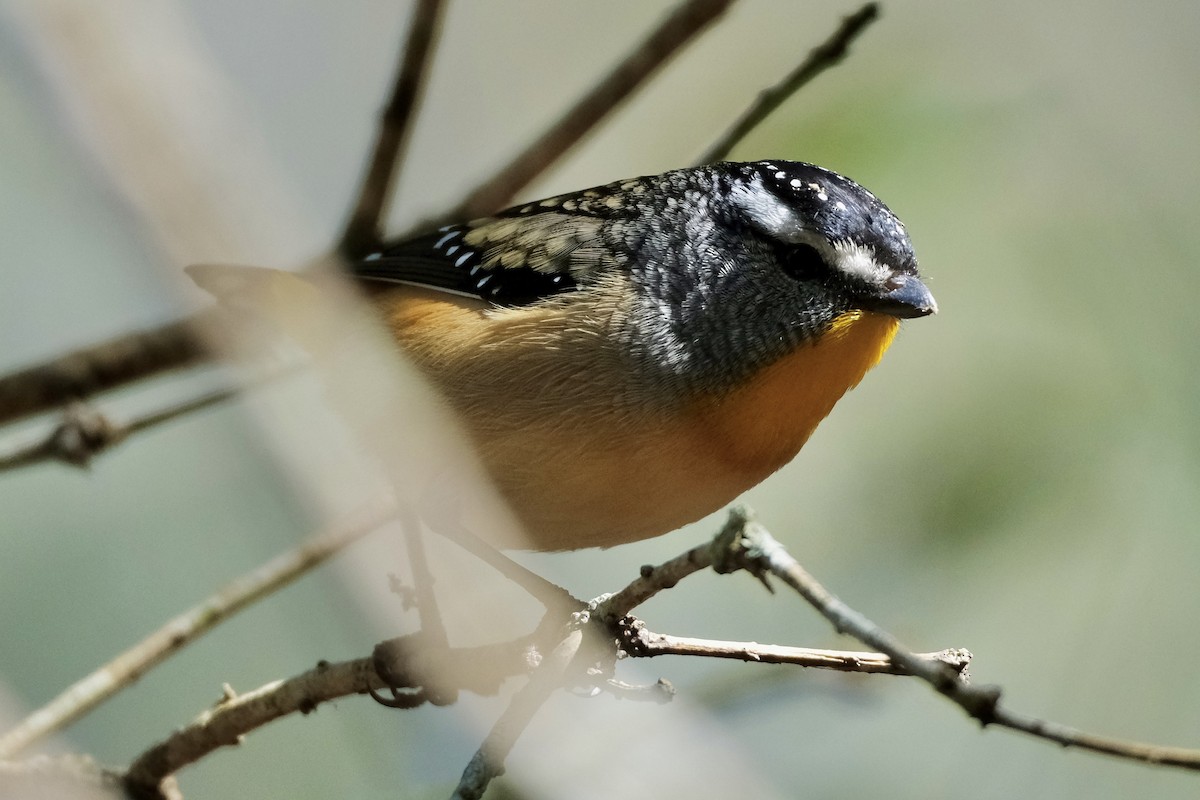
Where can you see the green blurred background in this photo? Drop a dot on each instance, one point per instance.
(1019, 476)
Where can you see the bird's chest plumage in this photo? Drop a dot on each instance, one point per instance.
(671, 469)
(761, 425)
(582, 471)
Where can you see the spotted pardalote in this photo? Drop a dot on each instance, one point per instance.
(632, 357)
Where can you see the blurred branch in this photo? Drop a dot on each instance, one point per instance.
(89, 692)
(101, 367)
(677, 30)
(85, 432)
(70, 776)
(364, 230)
(488, 761)
(828, 54)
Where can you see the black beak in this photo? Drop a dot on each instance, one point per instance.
(908, 300)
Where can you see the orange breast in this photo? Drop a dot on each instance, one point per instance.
(762, 426)
(596, 477)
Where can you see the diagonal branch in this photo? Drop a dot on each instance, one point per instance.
(364, 229)
(827, 54)
(488, 761)
(756, 550)
(234, 715)
(92, 690)
(85, 432)
(677, 30)
(101, 367)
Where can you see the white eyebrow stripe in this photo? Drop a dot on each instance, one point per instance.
(859, 261)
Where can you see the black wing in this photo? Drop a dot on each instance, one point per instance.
(519, 256)
(443, 260)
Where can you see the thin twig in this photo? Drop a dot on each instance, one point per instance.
(433, 626)
(488, 761)
(681, 27)
(552, 596)
(84, 695)
(364, 229)
(477, 669)
(235, 715)
(85, 432)
(760, 553)
(651, 644)
(827, 54)
(654, 579)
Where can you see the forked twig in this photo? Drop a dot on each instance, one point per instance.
(681, 27)
(756, 550)
(820, 58)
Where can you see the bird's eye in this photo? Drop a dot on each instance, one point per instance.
(804, 262)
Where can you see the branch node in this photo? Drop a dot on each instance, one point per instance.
(980, 702)
(83, 433)
(413, 662)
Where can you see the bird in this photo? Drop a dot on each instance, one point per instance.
(629, 358)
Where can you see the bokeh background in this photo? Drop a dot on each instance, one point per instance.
(1019, 476)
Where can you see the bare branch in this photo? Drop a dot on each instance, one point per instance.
(757, 551)
(100, 367)
(409, 661)
(549, 594)
(677, 30)
(488, 761)
(654, 580)
(827, 54)
(87, 693)
(650, 644)
(85, 432)
(235, 715)
(364, 229)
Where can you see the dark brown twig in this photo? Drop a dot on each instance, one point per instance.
(681, 27)
(827, 54)
(364, 229)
